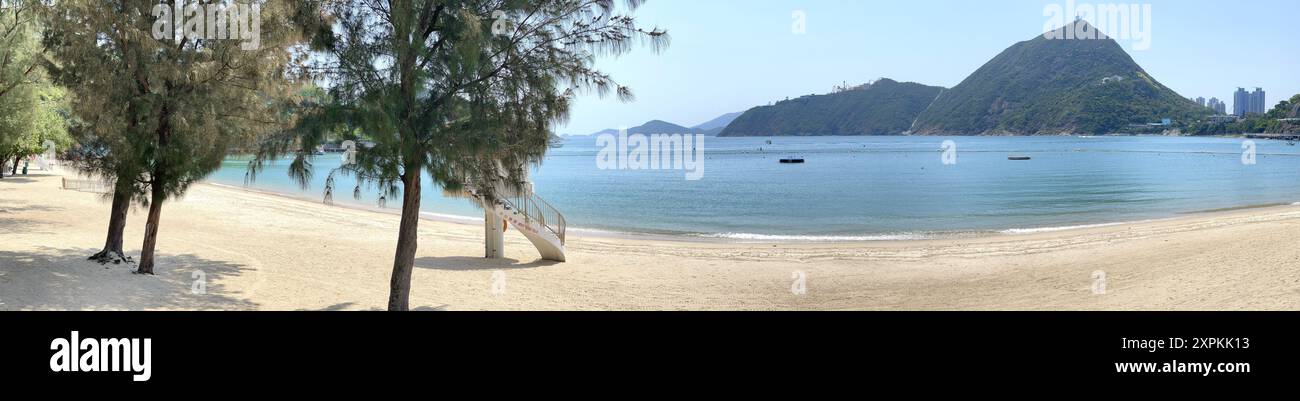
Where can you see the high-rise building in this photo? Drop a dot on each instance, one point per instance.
(1217, 105)
(1200, 101)
(1257, 102)
(1240, 102)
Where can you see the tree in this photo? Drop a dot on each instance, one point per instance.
(39, 120)
(19, 55)
(463, 91)
(160, 104)
(29, 107)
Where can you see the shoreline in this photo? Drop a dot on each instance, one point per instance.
(725, 238)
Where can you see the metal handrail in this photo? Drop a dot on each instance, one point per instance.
(534, 208)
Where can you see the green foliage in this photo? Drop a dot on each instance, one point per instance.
(162, 113)
(885, 107)
(43, 119)
(19, 48)
(1042, 86)
(437, 92)
(32, 111)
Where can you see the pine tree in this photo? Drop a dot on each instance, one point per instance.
(160, 104)
(19, 56)
(463, 91)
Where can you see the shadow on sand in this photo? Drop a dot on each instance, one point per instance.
(62, 279)
(347, 306)
(20, 179)
(466, 263)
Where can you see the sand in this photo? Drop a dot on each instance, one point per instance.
(224, 248)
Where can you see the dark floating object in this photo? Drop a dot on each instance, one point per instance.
(792, 160)
(1017, 157)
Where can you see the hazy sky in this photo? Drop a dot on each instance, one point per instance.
(730, 55)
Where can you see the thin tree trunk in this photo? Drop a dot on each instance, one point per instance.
(116, 226)
(399, 293)
(15, 171)
(151, 229)
(157, 180)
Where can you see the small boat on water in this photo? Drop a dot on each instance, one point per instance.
(792, 160)
(1017, 157)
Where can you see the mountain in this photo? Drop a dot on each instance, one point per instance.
(660, 127)
(664, 127)
(1053, 86)
(885, 107)
(720, 122)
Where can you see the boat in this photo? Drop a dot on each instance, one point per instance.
(792, 160)
(1017, 157)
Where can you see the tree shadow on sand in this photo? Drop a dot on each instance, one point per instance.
(9, 219)
(62, 279)
(466, 263)
(347, 306)
(16, 180)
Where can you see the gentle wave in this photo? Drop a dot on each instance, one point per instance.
(1057, 228)
(816, 238)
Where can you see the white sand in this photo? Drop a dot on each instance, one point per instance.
(260, 251)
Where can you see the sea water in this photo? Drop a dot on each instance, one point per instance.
(865, 188)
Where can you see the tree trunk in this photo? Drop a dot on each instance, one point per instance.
(116, 226)
(151, 229)
(157, 181)
(16, 160)
(399, 293)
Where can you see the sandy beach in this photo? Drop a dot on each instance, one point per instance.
(266, 252)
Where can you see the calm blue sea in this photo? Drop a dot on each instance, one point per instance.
(859, 188)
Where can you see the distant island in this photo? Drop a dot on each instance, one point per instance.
(708, 128)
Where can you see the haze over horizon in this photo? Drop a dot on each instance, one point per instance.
(730, 55)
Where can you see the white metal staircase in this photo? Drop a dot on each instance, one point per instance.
(537, 220)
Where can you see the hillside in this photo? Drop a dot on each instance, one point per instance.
(664, 127)
(720, 122)
(1055, 86)
(885, 107)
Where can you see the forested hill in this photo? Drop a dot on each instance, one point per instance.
(1056, 86)
(885, 107)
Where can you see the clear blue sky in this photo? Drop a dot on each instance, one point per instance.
(730, 55)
